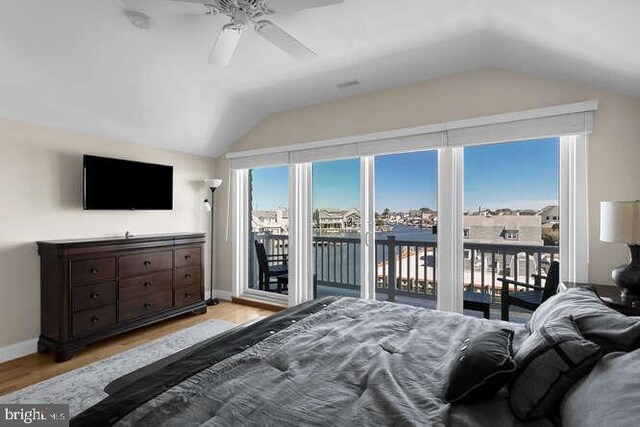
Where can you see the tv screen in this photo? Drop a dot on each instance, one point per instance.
(114, 184)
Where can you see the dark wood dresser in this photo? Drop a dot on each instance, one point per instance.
(96, 288)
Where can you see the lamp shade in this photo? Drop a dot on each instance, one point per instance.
(213, 183)
(620, 222)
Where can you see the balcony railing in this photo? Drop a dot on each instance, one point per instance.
(408, 267)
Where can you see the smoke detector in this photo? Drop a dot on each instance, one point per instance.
(139, 19)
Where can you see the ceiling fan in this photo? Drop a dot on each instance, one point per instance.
(243, 14)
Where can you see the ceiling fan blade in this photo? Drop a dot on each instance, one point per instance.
(165, 6)
(295, 5)
(283, 40)
(225, 45)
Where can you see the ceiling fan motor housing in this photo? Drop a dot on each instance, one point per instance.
(252, 8)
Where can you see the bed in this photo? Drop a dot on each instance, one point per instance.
(334, 361)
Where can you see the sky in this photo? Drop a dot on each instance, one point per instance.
(517, 175)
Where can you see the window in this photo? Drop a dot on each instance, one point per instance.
(454, 143)
(509, 194)
(510, 234)
(406, 217)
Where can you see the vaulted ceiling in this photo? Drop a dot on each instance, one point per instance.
(81, 65)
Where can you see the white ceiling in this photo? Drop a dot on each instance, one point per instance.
(81, 65)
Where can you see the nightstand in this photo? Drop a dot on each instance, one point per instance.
(609, 294)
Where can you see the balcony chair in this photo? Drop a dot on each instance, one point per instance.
(534, 296)
(269, 268)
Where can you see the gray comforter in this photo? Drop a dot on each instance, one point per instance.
(354, 363)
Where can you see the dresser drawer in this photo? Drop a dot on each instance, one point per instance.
(187, 276)
(145, 305)
(97, 319)
(141, 264)
(92, 296)
(93, 270)
(188, 295)
(187, 256)
(139, 287)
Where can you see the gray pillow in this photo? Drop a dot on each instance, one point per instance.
(608, 396)
(549, 362)
(611, 330)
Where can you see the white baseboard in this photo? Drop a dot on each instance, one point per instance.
(18, 349)
(225, 295)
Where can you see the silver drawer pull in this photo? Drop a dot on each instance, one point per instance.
(147, 285)
(95, 319)
(95, 295)
(187, 276)
(147, 305)
(94, 271)
(147, 263)
(187, 257)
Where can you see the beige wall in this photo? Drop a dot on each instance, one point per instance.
(614, 151)
(41, 198)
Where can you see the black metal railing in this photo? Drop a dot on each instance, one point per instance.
(409, 268)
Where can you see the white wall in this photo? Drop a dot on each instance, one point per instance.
(41, 199)
(614, 146)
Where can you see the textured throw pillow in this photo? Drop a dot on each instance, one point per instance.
(549, 362)
(608, 396)
(483, 366)
(606, 327)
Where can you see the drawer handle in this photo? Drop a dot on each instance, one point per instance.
(147, 263)
(147, 305)
(147, 285)
(187, 257)
(94, 271)
(95, 319)
(95, 295)
(187, 294)
(187, 276)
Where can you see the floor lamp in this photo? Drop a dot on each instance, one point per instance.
(213, 185)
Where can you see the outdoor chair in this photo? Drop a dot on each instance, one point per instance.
(534, 295)
(269, 268)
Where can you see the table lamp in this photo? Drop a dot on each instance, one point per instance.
(620, 223)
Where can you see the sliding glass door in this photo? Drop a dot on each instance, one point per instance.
(336, 221)
(268, 218)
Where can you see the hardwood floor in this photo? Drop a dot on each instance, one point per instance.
(19, 373)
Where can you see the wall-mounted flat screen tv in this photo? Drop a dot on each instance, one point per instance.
(114, 184)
